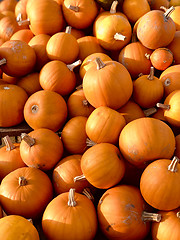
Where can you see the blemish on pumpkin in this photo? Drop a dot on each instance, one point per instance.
(109, 226)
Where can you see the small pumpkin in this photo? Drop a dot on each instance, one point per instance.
(20, 10)
(23, 34)
(8, 26)
(174, 48)
(161, 58)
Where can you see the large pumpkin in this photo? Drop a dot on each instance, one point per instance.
(146, 139)
(70, 215)
(107, 84)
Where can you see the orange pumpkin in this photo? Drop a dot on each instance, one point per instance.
(177, 150)
(174, 3)
(63, 46)
(97, 80)
(45, 109)
(15, 226)
(12, 101)
(161, 58)
(17, 58)
(8, 26)
(176, 17)
(122, 213)
(64, 173)
(156, 184)
(104, 125)
(80, 14)
(26, 192)
(8, 5)
(78, 105)
(9, 79)
(156, 29)
(23, 34)
(102, 165)
(41, 148)
(146, 139)
(20, 10)
(147, 90)
(157, 4)
(174, 47)
(10, 158)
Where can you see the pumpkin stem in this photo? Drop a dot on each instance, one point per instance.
(24, 22)
(178, 214)
(168, 12)
(173, 165)
(22, 181)
(3, 61)
(155, 217)
(164, 106)
(89, 142)
(113, 7)
(147, 55)
(88, 193)
(29, 140)
(79, 87)
(34, 108)
(68, 29)
(9, 145)
(74, 8)
(19, 17)
(85, 102)
(150, 111)
(100, 63)
(151, 74)
(78, 178)
(71, 201)
(119, 36)
(167, 82)
(73, 65)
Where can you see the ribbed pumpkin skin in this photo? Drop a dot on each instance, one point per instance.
(17, 227)
(174, 46)
(146, 139)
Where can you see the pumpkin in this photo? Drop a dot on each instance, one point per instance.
(8, 26)
(44, 17)
(131, 111)
(41, 148)
(79, 14)
(63, 46)
(156, 29)
(177, 150)
(10, 158)
(146, 139)
(38, 43)
(64, 215)
(112, 29)
(175, 17)
(161, 58)
(14, 227)
(20, 10)
(174, 48)
(170, 79)
(73, 135)
(45, 109)
(12, 101)
(1, 212)
(8, 5)
(30, 83)
(171, 108)
(134, 56)
(156, 184)
(106, 4)
(17, 58)
(87, 46)
(107, 84)
(147, 90)
(9, 79)
(77, 33)
(168, 227)
(174, 3)
(135, 9)
(26, 192)
(65, 171)
(122, 213)
(157, 4)
(78, 105)
(58, 77)
(104, 125)
(23, 34)
(102, 165)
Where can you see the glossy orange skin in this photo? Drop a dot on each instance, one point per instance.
(174, 46)
(161, 58)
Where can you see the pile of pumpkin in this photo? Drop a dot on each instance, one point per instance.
(98, 83)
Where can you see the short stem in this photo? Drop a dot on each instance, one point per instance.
(89, 142)
(168, 12)
(178, 214)
(9, 145)
(167, 82)
(79, 87)
(74, 8)
(119, 36)
(155, 217)
(73, 65)
(71, 201)
(3, 61)
(88, 193)
(85, 102)
(22, 181)
(24, 22)
(100, 63)
(68, 29)
(164, 106)
(34, 108)
(113, 7)
(151, 74)
(148, 112)
(19, 17)
(173, 165)
(29, 140)
(147, 55)
(78, 178)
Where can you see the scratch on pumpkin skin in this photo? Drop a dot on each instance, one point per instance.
(109, 226)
